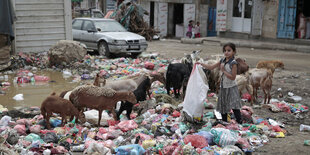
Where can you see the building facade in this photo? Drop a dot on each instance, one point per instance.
(171, 17)
(276, 19)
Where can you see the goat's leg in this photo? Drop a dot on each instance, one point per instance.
(265, 95)
(121, 109)
(128, 111)
(99, 119)
(168, 88)
(47, 119)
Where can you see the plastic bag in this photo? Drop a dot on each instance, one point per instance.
(33, 137)
(5, 120)
(92, 117)
(50, 137)
(135, 149)
(208, 136)
(224, 137)
(127, 125)
(21, 129)
(196, 92)
(196, 141)
(35, 129)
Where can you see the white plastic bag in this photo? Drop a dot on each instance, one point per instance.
(92, 117)
(196, 93)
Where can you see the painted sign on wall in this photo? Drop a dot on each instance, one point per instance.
(189, 14)
(221, 15)
(163, 18)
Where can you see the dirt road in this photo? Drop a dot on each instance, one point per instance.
(294, 78)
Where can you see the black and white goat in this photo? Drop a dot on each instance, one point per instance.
(140, 94)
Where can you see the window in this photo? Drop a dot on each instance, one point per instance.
(77, 24)
(88, 25)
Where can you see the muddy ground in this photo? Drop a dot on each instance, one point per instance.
(294, 78)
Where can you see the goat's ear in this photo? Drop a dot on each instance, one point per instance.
(97, 75)
(53, 94)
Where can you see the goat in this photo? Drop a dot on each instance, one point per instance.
(266, 85)
(56, 104)
(140, 94)
(99, 98)
(242, 66)
(257, 78)
(243, 83)
(271, 64)
(177, 76)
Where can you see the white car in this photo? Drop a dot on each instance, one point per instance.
(107, 36)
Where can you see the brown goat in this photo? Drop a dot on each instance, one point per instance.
(99, 98)
(259, 78)
(242, 66)
(56, 104)
(266, 85)
(270, 64)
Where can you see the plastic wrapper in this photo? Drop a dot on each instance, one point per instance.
(5, 120)
(35, 129)
(208, 136)
(130, 149)
(127, 125)
(148, 143)
(21, 129)
(196, 141)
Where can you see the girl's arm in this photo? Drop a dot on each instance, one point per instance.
(233, 74)
(210, 67)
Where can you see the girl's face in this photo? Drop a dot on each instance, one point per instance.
(228, 52)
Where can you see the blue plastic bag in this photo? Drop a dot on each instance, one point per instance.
(133, 149)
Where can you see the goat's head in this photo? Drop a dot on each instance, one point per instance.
(99, 81)
(279, 64)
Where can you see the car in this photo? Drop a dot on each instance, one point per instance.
(107, 36)
(91, 13)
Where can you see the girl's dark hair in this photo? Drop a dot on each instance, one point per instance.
(231, 45)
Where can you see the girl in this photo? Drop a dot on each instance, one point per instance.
(229, 97)
(197, 30)
(190, 29)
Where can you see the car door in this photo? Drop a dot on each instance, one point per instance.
(77, 29)
(88, 34)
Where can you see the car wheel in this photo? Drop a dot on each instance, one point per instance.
(135, 54)
(103, 49)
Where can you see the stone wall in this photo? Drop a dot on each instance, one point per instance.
(270, 19)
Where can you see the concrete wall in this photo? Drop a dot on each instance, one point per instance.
(270, 19)
(171, 1)
(203, 19)
(41, 23)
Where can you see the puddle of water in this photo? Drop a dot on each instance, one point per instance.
(34, 94)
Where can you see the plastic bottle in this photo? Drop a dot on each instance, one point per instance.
(47, 152)
(304, 127)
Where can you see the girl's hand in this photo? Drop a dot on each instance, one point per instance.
(222, 67)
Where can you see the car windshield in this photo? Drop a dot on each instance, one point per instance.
(109, 26)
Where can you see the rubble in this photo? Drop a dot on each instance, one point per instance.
(157, 127)
(130, 15)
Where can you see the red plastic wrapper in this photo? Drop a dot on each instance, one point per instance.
(41, 78)
(244, 143)
(246, 96)
(196, 140)
(21, 129)
(127, 125)
(149, 65)
(176, 114)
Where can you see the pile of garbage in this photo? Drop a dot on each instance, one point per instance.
(160, 129)
(130, 15)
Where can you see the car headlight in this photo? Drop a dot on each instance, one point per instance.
(142, 41)
(119, 41)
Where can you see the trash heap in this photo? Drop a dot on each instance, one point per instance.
(160, 129)
(130, 15)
